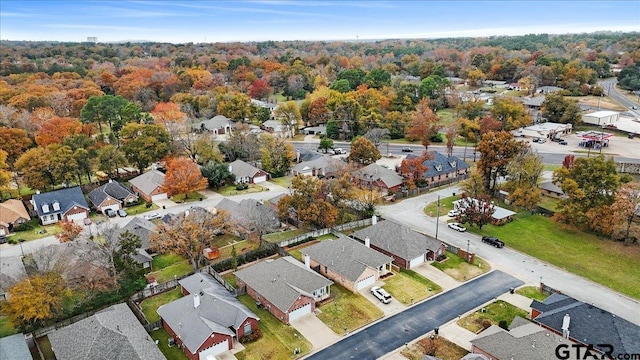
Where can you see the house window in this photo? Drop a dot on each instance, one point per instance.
(438, 167)
(247, 328)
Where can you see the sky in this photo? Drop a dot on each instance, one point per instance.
(261, 20)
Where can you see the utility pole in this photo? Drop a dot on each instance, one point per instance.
(437, 216)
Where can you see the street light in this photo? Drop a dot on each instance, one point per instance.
(437, 216)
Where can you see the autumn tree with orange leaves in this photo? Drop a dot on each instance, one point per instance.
(70, 231)
(424, 124)
(56, 129)
(412, 169)
(169, 115)
(183, 177)
(35, 300)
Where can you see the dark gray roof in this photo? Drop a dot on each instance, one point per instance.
(140, 227)
(217, 312)
(588, 324)
(247, 211)
(307, 155)
(274, 200)
(65, 198)
(398, 239)
(282, 281)
(528, 341)
(441, 164)
(11, 271)
(330, 165)
(534, 101)
(240, 168)
(198, 281)
(148, 181)
(142, 256)
(111, 334)
(550, 186)
(346, 256)
(374, 172)
(14, 347)
(113, 189)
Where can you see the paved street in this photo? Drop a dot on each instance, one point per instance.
(528, 269)
(395, 331)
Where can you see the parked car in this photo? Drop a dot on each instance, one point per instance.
(152, 216)
(407, 149)
(381, 294)
(453, 213)
(3, 239)
(634, 107)
(563, 142)
(541, 141)
(122, 213)
(339, 151)
(494, 241)
(110, 213)
(457, 227)
(87, 221)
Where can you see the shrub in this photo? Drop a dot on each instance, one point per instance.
(503, 324)
(24, 226)
(242, 186)
(486, 323)
(12, 241)
(255, 335)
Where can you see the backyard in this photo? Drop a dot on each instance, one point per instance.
(409, 287)
(459, 269)
(347, 311)
(606, 262)
(277, 237)
(278, 340)
(491, 315)
(170, 266)
(150, 306)
(171, 352)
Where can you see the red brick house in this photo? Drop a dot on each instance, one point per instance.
(66, 204)
(111, 195)
(284, 287)
(247, 174)
(208, 320)
(149, 186)
(378, 176)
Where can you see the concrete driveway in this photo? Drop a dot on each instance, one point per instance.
(314, 330)
(388, 309)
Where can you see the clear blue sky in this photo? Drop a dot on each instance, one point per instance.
(225, 21)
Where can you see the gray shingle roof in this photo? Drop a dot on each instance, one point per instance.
(307, 155)
(111, 334)
(240, 168)
(66, 199)
(588, 324)
(441, 164)
(14, 347)
(282, 281)
(346, 256)
(217, 313)
(398, 239)
(140, 227)
(374, 172)
(11, 271)
(216, 122)
(329, 165)
(113, 189)
(550, 186)
(148, 181)
(528, 341)
(246, 211)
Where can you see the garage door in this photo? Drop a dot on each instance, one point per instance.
(114, 207)
(159, 197)
(298, 313)
(77, 217)
(415, 262)
(259, 179)
(216, 349)
(366, 282)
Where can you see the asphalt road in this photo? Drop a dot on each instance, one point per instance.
(609, 86)
(395, 331)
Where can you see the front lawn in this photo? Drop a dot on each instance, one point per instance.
(606, 262)
(6, 327)
(140, 208)
(446, 204)
(348, 310)
(177, 270)
(150, 306)
(36, 231)
(192, 196)
(278, 340)
(171, 353)
(229, 190)
(532, 292)
(284, 181)
(277, 237)
(445, 349)
(459, 269)
(409, 287)
(495, 312)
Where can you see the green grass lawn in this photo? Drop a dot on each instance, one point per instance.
(551, 167)
(495, 312)
(164, 260)
(446, 204)
(171, 353)
(409, 287)
(347, 310)
(284, 235)
(150, 306)
(241, 247)
(550, 203)
(230, 278)
(459, 269)
(532, 292)
(37, 231)
(231, 190)
(176, 270)
(284, 181)
(447, 116)
(191, 197)
(140, 208)
(278, 340)
(225, 239)
(606, 262)
(6, 327)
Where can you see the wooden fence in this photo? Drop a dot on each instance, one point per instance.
(155, 290)
(209, 270)
(316, 233)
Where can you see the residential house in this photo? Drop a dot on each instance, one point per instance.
(408, 247)
(14, 347)
(548, 188)
(533, 103)
(273, 202)
(12, 271)
(266, 105)
(375, 175)
(347, 262)
(276, 128)
(149, 186)
(113, 333)
(247, 174)
(524, 340)
(251, 216)
(586, 324)
(500, 215)
(66, 204)
(306, 155)
(112, 195)
(218, 125)
(12, 214)
(323, 167)
(143, 229)
(548, 89)
(284, 287)
(207, 320)
(499, 84)
(321, 129)
(442, 169)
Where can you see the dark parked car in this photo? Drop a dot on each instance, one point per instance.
(110, 213)
(494, 241)
(563, 142)
(407, 149)
(122, 213)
